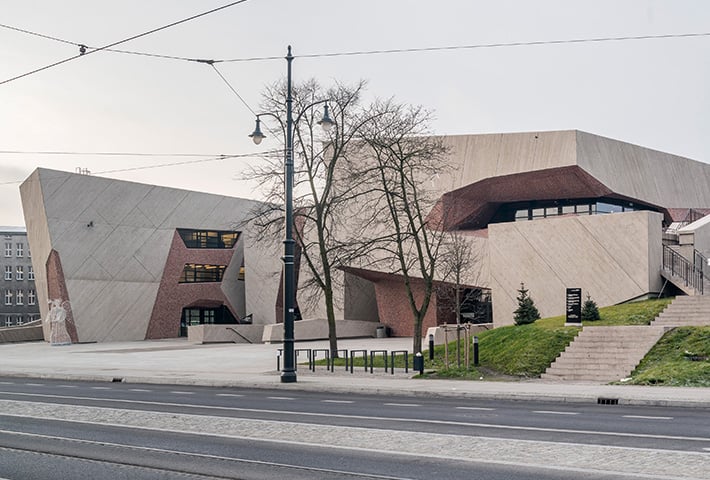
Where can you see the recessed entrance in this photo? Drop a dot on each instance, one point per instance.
(201, 316)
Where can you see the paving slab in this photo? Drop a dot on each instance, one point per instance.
(178, 362)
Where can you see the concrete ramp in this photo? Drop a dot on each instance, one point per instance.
(604, 354)
(317, 329)
(30, 332)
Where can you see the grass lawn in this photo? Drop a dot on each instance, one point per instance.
(523, 352)
(680, 359)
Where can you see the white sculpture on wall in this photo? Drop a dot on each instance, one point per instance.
(58, 333)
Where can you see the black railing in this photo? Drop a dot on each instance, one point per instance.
(701, 263)
(679, 266)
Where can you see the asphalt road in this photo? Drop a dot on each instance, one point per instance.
(59, 429)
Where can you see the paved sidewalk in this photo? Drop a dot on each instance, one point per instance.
(229, 365)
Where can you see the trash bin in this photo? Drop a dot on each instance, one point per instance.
(381, 332)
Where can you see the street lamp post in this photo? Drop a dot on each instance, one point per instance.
(288, 373)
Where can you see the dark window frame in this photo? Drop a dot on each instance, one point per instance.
(202, 273)
(214, 239)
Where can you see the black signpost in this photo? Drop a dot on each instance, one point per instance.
(574, 307)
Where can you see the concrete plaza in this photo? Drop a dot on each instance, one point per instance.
(254, 366)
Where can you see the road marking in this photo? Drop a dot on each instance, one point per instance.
(476, 408)
(181, 392)
(706, 449)
(303, 415)
(229, 395)
(402, 404)
(183, 453)
(139, 390)
(101, 388)
(280, 398)
(552, 412)
(35, 384)
(67, 386)
(337, 401)
(644, 417)
(7, 383)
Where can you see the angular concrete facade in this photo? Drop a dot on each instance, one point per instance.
(111, 249)
(614, 257)
(554, 210)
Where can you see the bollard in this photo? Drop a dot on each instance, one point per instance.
(419, 363)
(475, 351)
(431, 346)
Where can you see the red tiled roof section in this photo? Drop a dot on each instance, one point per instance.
(474, 205)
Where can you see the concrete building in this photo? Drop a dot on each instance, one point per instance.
(555, 210)
(132, 261)
(19, 303)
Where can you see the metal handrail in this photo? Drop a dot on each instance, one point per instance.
(701, 263)
(679, 266)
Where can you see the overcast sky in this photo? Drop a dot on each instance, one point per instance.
(648, 92)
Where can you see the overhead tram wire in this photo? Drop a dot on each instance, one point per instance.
(112, 154)
(212, 62)
(215, 158)
(134, 37)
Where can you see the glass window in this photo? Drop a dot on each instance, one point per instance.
(522, 215)
(208, 238)
(241, 273)
(19, 320)
(8, 321)
(584, 209)
(197, 273)
(31, 297)
(603, 207)
(20, 298)
(20, 249)
(538, 213)
(8, 272)
(29, 254)
(8, 297)
(8, 249)
(567, 209)
(20, 273)
(30, 273)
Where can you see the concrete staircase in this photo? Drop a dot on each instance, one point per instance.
(684, 311)
(604, 354)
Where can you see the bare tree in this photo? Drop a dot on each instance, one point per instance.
(458, 258)
(405, 157)
(321, 195)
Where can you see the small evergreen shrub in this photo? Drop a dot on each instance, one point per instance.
(526, 312)
(590, 311)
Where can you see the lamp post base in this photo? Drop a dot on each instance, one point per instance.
(288, 377)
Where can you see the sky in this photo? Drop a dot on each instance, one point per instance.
(651, 92)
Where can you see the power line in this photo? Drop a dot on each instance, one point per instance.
(173, 164)
(232, 88)
(211, 62)
(49, 37)
(110, 154)
(469, 47)
(85, 51)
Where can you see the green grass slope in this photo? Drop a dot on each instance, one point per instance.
(526, 351)
(680, 358)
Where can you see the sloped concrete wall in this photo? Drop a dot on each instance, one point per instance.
(614, 258)
(648, 175)
(113, 238)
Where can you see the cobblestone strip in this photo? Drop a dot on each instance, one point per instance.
(597, 458)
